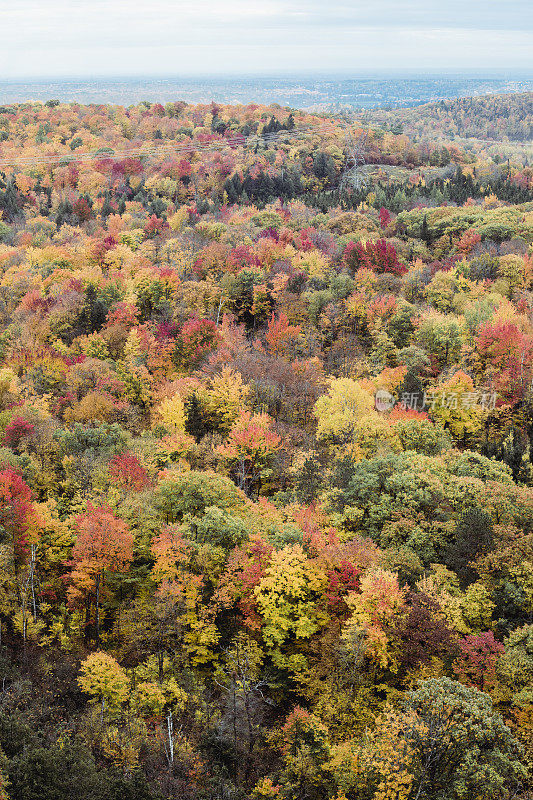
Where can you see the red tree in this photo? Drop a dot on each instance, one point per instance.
(384, 217)
(16, 512)
(16, 431)
(82, 209)
(154, 226)
(476, 663)
(378, 256)
(128, 472)
(423, 632)
(245, 568)
(197, 338)
(509, 352)
(104, 544)
(280, 335)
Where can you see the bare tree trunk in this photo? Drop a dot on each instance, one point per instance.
(170, 733)
(98, 611)
(32, 576)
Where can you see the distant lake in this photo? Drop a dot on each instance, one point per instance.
(317, 93)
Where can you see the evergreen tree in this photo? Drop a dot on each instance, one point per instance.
(473, 536)
(195, 422)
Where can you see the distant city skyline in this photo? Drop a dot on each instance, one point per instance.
(62, 38)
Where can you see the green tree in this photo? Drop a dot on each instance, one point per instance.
(462, 749)
(473, 537)
(442, 336)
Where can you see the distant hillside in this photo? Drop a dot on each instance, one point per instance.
(507, 116)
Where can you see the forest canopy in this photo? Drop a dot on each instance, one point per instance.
(266, 470)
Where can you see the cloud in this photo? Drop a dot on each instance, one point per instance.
(418, 14)
(113, 37)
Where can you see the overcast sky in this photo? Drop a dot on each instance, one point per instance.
(44, 38)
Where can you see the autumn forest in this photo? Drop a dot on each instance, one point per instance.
(266, 452)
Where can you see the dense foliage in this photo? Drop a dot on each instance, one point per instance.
(266, 470)
(492, 116)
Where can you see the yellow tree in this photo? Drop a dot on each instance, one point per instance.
(289, 602)
(104, 680)
(380, 764)
(227, 396)
(171, 414)
(182, 590)
(454, 405)
(375, 608)
(340, 409)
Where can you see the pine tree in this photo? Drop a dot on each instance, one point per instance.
(195, 423)
(473, 536)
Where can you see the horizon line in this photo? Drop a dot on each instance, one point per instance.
(451, 73)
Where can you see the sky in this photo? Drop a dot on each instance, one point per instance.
(74, 38)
